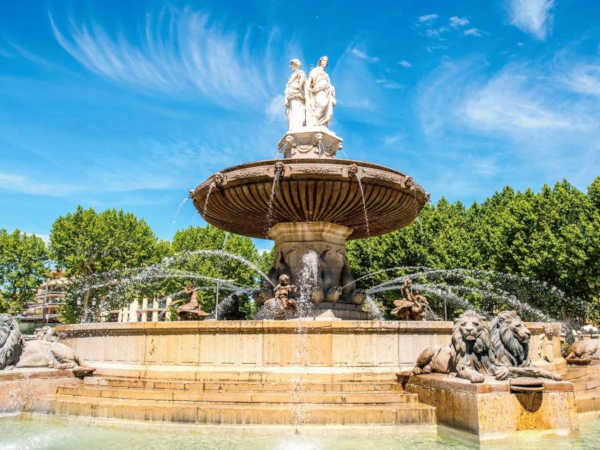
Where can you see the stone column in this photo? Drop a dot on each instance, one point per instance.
(316, 246)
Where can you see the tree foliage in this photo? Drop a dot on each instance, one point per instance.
(185, 242)
(552, 236)
(22, 268)
(86, 243)
(511, 238)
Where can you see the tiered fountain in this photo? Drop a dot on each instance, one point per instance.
(327, 371)
(310, 202)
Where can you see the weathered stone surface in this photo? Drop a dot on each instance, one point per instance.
(336, 343)
(491, 411)
(309, 190)
(238, 398)
(32, 390)
(310, 142)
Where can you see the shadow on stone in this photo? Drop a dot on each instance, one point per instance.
(530, 401)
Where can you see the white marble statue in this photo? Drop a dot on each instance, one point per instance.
(295, 109)
(320, 96)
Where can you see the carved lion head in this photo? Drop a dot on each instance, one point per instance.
(470, 334)
(11, 342)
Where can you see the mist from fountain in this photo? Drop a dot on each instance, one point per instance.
(442, 284)
(307, 283)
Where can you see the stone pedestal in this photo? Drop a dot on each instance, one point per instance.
(491, 411)
(310, 142)
(313, 255)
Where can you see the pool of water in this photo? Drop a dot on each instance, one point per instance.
(49, 432)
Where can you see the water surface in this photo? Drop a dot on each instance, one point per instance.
(24, 433)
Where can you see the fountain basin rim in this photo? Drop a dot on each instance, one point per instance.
(273, 326)
(246, 199)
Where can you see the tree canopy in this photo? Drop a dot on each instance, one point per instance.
(512, 237)
(23, 261)
(552, 236)
(85, 243)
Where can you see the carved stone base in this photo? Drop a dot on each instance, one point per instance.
(339, 311)
(491, 410)
(313, 255)
(310, 142)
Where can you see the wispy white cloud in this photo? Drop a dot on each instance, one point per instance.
(393, 139)
(456, 24)
(436, 32)
(16, 182)
(363, 55)
(456, 21)
(275, 109)
(404, 63)
(427, 18)
(356, 86)
(583, 78)
(531, 110)
(389, 84)
(532, 16)
(182, 52)
(473, 32)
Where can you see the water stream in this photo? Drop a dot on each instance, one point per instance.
(178, 210)
(210, 189)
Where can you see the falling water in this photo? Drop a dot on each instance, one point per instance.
(221, 253)
(210, 189)
(486, 289)
(225, 240)
(371, 307)
(273, 186)
(226, 304)
(178, 210)
(364, 203)
(307, 282)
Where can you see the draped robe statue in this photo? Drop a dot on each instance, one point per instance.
(295, 109)
(320, 96)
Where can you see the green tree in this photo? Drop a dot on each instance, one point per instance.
(594, 192)
(86, 243)
(23, 261)
(185, 242)
(552, 236)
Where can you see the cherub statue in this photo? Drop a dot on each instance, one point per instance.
(411, 306)
(192, 309)
(284, 292)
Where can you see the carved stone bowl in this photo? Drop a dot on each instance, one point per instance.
(238, 199)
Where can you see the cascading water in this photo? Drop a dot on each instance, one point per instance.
(364, 204)
(178, 210)
(307, 282)
(210, 189)
(278, 170)
(373, 309)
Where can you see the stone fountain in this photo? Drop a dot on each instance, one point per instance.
(490, 379)
(310, 202)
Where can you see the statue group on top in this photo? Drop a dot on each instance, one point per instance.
(309, 101)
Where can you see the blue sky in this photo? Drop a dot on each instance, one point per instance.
(129, 104)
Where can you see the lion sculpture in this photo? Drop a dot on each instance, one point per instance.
(478, 349)
(583, 351)
(43, 352)
(510, 340)
(468, 355)
(11, 341)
